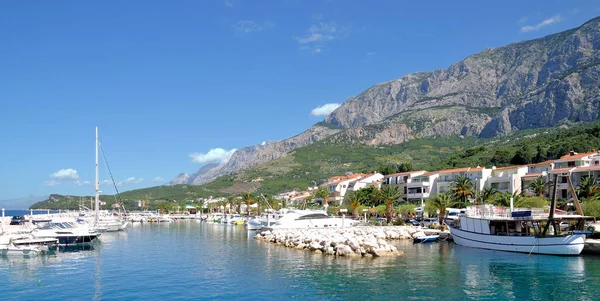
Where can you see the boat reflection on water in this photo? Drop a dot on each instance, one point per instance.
(520, 276)
(79, 248)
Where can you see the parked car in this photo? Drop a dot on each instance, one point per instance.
(428, 222)
(410, 221)
(17, 220)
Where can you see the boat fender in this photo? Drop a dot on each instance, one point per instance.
(591, 228)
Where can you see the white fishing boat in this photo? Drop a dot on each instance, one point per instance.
(535, 231)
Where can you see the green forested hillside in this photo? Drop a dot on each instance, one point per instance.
(312, 164)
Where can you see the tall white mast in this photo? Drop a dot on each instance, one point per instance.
(97, 203)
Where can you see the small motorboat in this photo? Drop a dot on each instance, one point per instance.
(427, 238)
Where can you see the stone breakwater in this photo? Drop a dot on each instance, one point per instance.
(351, 242)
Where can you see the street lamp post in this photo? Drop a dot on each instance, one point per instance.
(365, 212)
(343, 211)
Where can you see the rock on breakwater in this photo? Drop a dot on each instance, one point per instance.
(350, 242)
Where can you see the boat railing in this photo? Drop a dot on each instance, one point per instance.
(500, 212)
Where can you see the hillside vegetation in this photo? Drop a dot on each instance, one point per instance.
(312, 164)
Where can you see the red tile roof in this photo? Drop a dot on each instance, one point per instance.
(404, 173)
(575, 156)
(587, 168)
(510, 167)
(542, 163)
(464, 169)
(561, 170)
(533, 175)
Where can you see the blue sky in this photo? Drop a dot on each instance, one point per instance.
(169, 81)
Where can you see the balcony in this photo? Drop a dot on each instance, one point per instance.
(418, 184)
(423, 195)
(499, 179)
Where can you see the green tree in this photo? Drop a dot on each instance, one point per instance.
(248, 198)
(504, 199)
(524, 155)
(385, 170)
(501, 157)
(369, 195)
(538, 185)
(531, 202)
(487, 194)
(231, 202)
(440, 202)
(322, 193)
(462, 189)
(404, 167)
(353, 199)
(592, 208)
(588, 188)
(406, 209)
(389, 195)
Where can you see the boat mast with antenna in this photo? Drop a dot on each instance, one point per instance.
(97, 201)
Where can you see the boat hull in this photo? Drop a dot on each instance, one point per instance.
(75, 239)
(553, 245)
(423, 239)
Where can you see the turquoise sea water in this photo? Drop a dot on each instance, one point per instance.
(191, 260)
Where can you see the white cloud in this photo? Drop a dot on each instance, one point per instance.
(68, 174)
(263, 143)
(50, 183)
(542, 24)
(248, 26)
(105, 182)
(158, 179)
(372, 53)
(214, 155)
(319, 33)
(228, 4)
(325, 109)
(86, 183)
(523, 20)
(130, 180)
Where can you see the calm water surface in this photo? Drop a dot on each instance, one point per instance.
(190, 260)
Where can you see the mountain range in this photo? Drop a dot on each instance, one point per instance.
(525, 85)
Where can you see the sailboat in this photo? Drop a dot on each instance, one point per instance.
(102, 222)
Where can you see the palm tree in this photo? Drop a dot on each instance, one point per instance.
(441, 202)
(389, 195)
(538, 186)
(239, 201)
(353, 198)
(230, 201)
(462, 189)
(588, 188)
(487, 194)
(323, 194)
(308, 199)
(248, 199)
(504, 199)
(272, 201)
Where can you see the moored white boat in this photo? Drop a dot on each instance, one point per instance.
(525, 231)
(537, 231)
(296, 218)
(11, 250)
